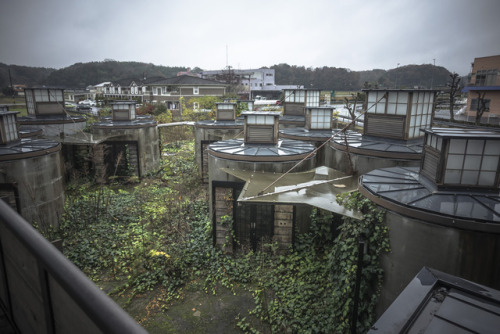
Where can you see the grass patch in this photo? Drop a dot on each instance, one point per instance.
(149, 246)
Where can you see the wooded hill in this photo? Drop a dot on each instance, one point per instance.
(80, 75)
(332, 78)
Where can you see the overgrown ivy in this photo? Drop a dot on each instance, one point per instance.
(311, 290)
(156, 235)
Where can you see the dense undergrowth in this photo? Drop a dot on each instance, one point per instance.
(154, 235)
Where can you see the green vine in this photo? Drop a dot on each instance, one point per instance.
(312, 289)
(130, 238)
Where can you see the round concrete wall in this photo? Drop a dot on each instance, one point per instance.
(414, 244)
(362, 164)
(282, 234)
(39, 182)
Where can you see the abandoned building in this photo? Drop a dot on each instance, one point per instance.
(31, 174)
(391, 132)
(131, 147)
(259, 151)
(46, 111)
(443, 214)
(294, 103)
(225, 126)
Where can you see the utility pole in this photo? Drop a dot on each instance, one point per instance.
(397, 67)
(432, 75)
(12, 89)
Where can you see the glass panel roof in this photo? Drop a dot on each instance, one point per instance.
(27, 145)
(306, 134)
(380, 144)
(285, 147)
(317, 187)
(405, 187)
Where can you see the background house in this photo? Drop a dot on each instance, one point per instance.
(171, 90)
(484, 79)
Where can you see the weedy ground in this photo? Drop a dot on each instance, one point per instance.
(147, 243)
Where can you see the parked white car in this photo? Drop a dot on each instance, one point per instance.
(89, 102)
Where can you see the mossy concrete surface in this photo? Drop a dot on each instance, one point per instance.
(196, 312)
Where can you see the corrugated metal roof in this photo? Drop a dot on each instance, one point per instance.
(436, 302)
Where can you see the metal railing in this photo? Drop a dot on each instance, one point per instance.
(41, 291)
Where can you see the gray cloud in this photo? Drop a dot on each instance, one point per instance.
(356, 34)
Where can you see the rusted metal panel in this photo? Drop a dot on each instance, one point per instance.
(384, 126)
(430, 164)
(293, 109)
(257, 134)
(50, 108)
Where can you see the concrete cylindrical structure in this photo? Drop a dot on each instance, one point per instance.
(472, 255)
(255, 224)
(31, 173)
(141, 133)
(368, 153)
(455, 231)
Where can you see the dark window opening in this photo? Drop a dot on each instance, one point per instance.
(474, 104)
(121, 159)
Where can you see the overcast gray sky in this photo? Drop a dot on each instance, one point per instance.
(354, 34)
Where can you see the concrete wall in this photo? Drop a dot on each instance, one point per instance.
(470, 255)
(52, 130)
(282, 213)
(147, 140)
(40, 185)
(210, 134)
(362, 164)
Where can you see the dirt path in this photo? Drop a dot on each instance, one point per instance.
(200, 312)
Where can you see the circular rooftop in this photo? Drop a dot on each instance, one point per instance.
(379, 147)
(28, 148)
(50, 119)
(404, 190)
(141, 121)
(307, 135)
(284, 150)
(292, 119)
(27, 132)
(211, 124)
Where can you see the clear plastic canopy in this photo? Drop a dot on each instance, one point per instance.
(317, 187)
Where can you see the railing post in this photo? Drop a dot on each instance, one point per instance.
(7, 304)
(46, 300)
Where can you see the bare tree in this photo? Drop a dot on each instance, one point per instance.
(481, 106)
(454, 89)
(351, 109)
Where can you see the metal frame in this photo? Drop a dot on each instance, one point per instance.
(410, 306)
(100, 309)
